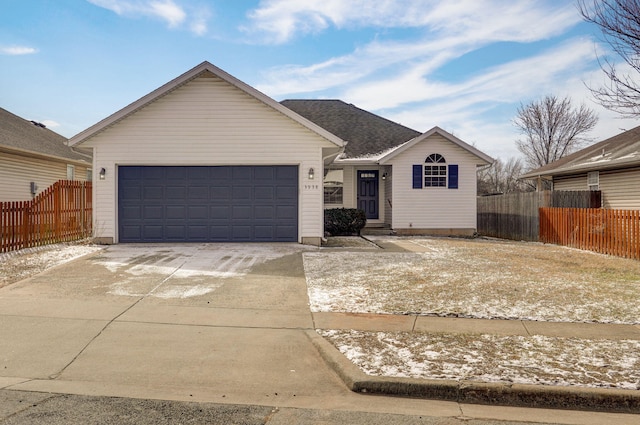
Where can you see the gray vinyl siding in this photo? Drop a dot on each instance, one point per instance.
(620, 189)
(18, 171)
(207, 121)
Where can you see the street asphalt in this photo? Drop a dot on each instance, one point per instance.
(211, 333)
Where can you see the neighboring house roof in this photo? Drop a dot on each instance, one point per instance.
(366, 134)
(185, 78)
(20, 135)
(620, 151)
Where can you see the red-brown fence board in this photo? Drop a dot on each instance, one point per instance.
(61, 213)
(613, 232)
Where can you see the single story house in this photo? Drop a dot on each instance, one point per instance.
(32, 158)
(611, 166)
(207, 157)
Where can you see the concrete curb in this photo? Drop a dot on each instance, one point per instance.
(471, 392)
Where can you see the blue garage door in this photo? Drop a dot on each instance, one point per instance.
(208, 204)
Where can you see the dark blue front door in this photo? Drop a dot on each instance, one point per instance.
(208, 204)
(368, 193)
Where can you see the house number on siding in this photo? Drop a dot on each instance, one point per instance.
(311, 186)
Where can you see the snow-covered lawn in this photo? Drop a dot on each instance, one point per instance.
(478, 279)
(483, 279)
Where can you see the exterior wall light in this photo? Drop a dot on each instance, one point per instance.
(103, 172)
(311, 173)
(384, 176)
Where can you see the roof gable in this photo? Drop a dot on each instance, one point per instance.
(484, 159)
(366, 133)
(27, 136)
(185, 78)
(620, 151)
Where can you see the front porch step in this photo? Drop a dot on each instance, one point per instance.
(377, 229)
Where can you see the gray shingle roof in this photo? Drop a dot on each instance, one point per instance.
(366, 133)
(18, 133)
(620, 151)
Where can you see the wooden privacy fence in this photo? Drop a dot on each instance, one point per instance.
(613, 232)
(515, 215)
(61, 213)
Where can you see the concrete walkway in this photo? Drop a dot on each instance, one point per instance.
(226, 324)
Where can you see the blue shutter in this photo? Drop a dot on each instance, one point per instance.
(417, 176)
(453, 176)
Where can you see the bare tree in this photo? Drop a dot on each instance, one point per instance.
(552, 129)
(502, 177)
(619, 21)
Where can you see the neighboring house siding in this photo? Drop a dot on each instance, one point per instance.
(208, 122)
(620, 189)
(577, 182)
(18, 171)
(437, 207)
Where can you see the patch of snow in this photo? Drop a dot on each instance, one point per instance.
(492, 358)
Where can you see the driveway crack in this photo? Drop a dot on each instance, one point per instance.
(104, 328)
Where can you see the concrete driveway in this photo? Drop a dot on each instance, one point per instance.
(218, 323)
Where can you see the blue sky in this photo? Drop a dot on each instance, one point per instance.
(462, 65)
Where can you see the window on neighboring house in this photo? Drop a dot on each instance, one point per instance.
(593, 180)
(435, 172)
(333, 185)
(71, 172)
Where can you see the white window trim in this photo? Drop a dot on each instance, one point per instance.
(593, 180)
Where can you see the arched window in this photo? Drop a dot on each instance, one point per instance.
(435, 175)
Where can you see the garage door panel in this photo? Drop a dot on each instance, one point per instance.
(242, 233)
(198, 233)
(152, 233)
(153, 193)
(175, 212)
(153, 212)
(266, 212)
(243, 203)
(198, 192)
(242, 193)
(198, 212)
(176, 192)
(222, 193)
(220, 212)
(242, 173)
(287, 193)
(150, 173)
(286, 212)
(131, 192)
(131, 232)
(219, 233)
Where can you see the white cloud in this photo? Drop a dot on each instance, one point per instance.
(278, 21)
(173, 14)
(17, 50)
(51, 123)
